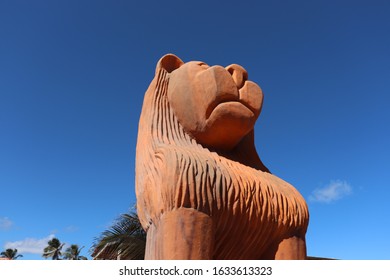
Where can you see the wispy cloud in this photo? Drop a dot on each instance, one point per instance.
(71, 228)
(30, 245)
(5, 223)
(335, 190)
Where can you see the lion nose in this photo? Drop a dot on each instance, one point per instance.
(238, 73)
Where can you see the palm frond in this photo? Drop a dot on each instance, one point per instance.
(125, 239)
(53, 249)
(11, 254)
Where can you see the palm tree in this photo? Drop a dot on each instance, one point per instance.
(73, 253)
(53, 249)
(11, 254)
(125, 240)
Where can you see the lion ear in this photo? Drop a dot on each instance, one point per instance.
(169, 62)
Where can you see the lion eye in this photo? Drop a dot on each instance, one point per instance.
(203, 65)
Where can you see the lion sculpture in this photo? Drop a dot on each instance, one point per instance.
(202, 190)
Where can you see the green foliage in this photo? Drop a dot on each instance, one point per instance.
(73, 253)
(53, 250)
(11, 254)
(125, 240)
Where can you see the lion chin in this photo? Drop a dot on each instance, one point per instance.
(202, 190)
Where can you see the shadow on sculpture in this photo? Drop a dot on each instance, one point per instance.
(202, 190)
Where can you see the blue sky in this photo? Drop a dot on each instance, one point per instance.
(72, 79)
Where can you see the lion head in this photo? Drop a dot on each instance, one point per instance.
(217, 106)
(194, 103)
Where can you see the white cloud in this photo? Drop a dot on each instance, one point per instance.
(335, 190)
(30, 245)
(5, 223)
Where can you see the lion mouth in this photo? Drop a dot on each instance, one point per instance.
(224, 97)
(238, 97)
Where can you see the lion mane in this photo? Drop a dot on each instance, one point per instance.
(201, 202)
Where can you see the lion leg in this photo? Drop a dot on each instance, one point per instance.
(291, 248)
(181, 234)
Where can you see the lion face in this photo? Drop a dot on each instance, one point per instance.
(217, 106)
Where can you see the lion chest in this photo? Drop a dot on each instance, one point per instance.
(224, 188)
(245, 202)
(254, 209)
